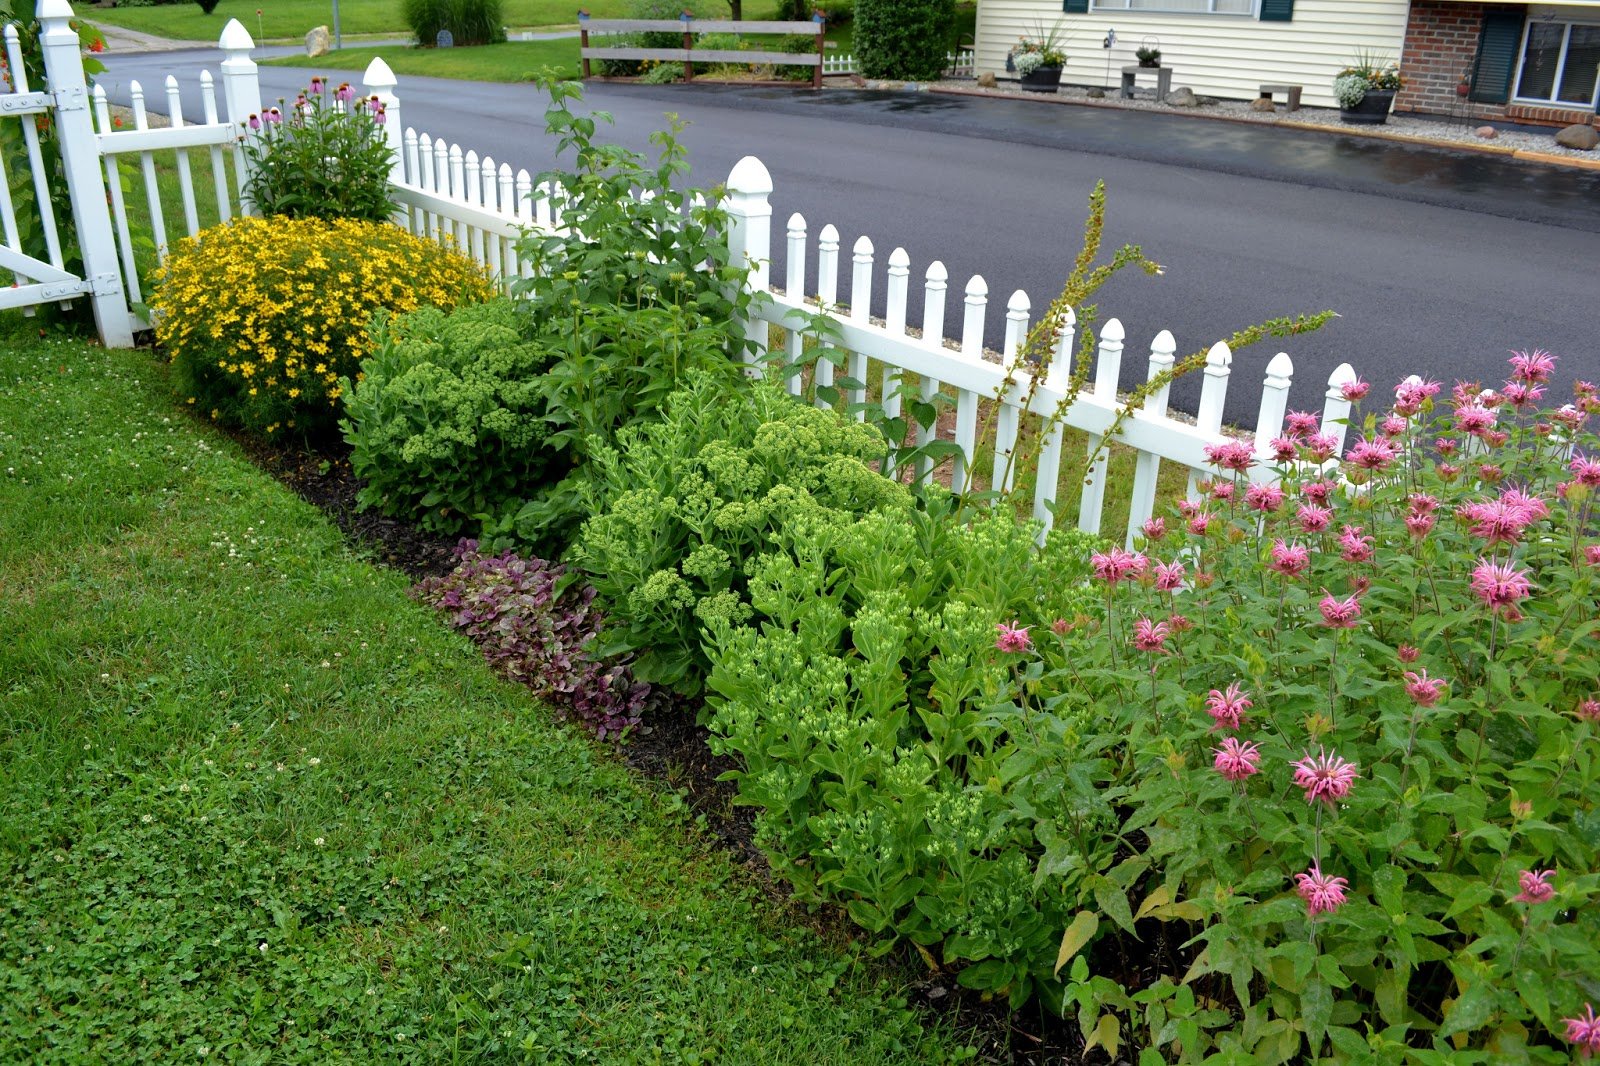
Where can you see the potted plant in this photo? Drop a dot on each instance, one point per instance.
(1365, 90)
(1038, 59)
(1148, 55)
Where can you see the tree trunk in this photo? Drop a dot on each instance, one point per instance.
(737, 8)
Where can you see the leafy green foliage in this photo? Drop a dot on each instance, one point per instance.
(470, 22)
(446, 424)
(904, 39)
(324, 156)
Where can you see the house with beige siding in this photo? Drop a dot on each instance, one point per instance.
(1223, 48)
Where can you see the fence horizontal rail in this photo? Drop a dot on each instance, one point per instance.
(794, 29)
(122, 142)
(705, 55)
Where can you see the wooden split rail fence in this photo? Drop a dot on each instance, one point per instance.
(689, 55)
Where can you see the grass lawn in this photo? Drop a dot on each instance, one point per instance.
(261, 806)
(512, 61)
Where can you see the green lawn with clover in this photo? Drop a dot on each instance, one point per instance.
(260, 806)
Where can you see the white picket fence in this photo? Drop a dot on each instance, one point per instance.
(482, 207)
(960, 63)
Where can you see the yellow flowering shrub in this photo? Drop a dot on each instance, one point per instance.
(262, 317)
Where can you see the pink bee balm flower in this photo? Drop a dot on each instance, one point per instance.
(1474, 420)
(1591, 554)
(1536, 886)
(1500, 586)
(1393, 426)
(1357, 549)
(1406, 653)
(1061, 627)
(1222, 490)
(1409, 395)
(1584, 1031)
(1154, 528)
(1283, 448)
(1520, 395)
(1339, 614)
(1150, 636)
(1199, 522)
(1117, 565)
(1447, 446)
(1424, 691)
(1323, 894)
(1179, 623)
(1324, 777)
(1290, 560)
(1419, 525)
(1497, 521)
(1570, 417)
(1298, 424)
(1012, 638)
(1536, 509)
(1264, 498)
(1317, 491)
(1231, 455)
(1313, 518)
(1588, 710)
(1227, 708)
(1422, 503)
(1169, 576)
(1236, 760)
(1355, 391)
(1586, 471)
(1320, 448)
(1449, 471)
(1372, 453)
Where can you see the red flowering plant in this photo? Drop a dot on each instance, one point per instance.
(1353, 708)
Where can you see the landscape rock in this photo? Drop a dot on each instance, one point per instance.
(987, 80)
(1097, 94)
(1182, 97)
(1583, 138)
(858, 81)
(1262, 104)
(318, 42)
(1488, 133)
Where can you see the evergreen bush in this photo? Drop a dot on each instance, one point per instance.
(904, 39)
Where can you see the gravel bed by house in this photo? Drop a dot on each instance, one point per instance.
(1407, 126)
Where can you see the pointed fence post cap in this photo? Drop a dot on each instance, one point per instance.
(1164, 345)
(1343, 374)
(937, 271)
(235, 38)
(1113, 331)
(863, 245)
(1019, 302)
(1280, 370)
(976, 286)
(797, 224)
(378, 75)
(899, 259)
(53, 9)
(750, 177)
(1219, 356)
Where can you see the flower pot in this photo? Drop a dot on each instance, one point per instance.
(1373, 110)
(1041, 80)
(1150, 64)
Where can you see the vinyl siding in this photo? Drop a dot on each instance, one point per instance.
(1228, 56)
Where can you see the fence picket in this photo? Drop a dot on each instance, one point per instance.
(1274, 404)
(191, 218)
(219, 169)
(457, 189)
(934, 287)
(470, 185)
(896, 291)
(30, 136)
(147, 164)
(119, 206)
(860, 311)
(1007, 416)
(1147, 467)
(510, 262)
(1107, 370)
(1056, 375)
(1335, 408)
(975, 308)
(489, 182)
(827, 294)
(1213, 393)
(794, 284)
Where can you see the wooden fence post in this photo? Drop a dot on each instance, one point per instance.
(750, 237)
(583, 40)
(822, 43)
(688, 45)
(241, 89)
(80, 159)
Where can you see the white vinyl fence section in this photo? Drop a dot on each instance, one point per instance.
(957, 64)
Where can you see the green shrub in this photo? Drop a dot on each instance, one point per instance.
(663, 74)
(446, 425)
(323, 158)
(905, 39)
(263, 317)
(469, 21)
(683, 504)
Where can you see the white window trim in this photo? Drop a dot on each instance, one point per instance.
(1099, 7)
(1561, 67)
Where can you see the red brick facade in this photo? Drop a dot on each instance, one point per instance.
(1440, 47)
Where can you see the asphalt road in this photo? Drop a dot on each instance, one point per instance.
(1438, 262)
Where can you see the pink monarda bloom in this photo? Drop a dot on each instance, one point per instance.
(1371, 453)
(1318, 492)
(1584, 1031)
(1449, 471)
(1179, 623)
(1520, 395)
(1263, 498)
(1290, 560)
(1447, 446)
(1474, 420)
(1500, 585)
(1536, 886)
(1199, 523)
(1424, 691)
(1325, 777)
(1323, 894)
(1410, 395)
(1591, 554)
(1012, 638)
(1355, 391)
(1313, 518)
(1320, 448)
(1227, 707)
(1154, 528)
(1232, 455)
(1585, 471)
(1422, 503)
(1356, 548)
(1537, 510)
(1283, 449)
(1117, 565)
(1222, 491)
(1569, 416)
(1588, 710)
(1061, 627)
(1419, 525)
(1339, 614)
(1499, 521)
(1300, 424)
(1236, 760)
(1150, 636)
(1169, 576)
(1406, 653)
(1393, 426)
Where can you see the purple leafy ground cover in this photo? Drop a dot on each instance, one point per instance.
(537, 628)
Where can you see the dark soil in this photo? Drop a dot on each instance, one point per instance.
(673, 750)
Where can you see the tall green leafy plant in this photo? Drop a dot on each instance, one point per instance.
(904, 39)
(323, 156)
(469, 22)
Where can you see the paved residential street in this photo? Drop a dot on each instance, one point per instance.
(1438, 261)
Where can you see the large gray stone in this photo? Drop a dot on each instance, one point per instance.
(1263, 104)
(987, 80)
(1583, 138)
(1488, 133)
(1182, 97)
(318, 42)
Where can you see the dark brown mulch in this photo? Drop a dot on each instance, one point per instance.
(674, 751)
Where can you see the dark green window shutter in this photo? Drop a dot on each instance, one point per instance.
(1496, 64)
(1277, 10)
(1075, 7)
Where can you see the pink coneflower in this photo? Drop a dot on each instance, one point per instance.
(1500, 585)
(1231, 455)
(1298, 424)
(1154, 528)
(1290, 560)
(1371, 453)
(1339, 614)
(1323, 894)
(1584, 1031)
(1236, 760)
(1325, 777)
(1586, 471)
(1321, 447)
(1263, 498)
(1313, 518)
(1406, 653)
(1150, 636)
(1355, 391)
(1117, 565)
(1474, 420)
(1536, 886)
(255, 122)
(1317, 492)
(343, 93)
(1169, 576)
(1393, 426)
(1424, 691)
(1355, 547)
(1227, 707)
(1588, 710)
(1012, 638)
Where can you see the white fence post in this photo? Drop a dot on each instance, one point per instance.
(380, 81)
(241, 90)
(80, 159)
(1107, 372)
(1274, 404)
(750, 237)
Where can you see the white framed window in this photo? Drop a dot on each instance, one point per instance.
(1559, 63)
(1180, 7)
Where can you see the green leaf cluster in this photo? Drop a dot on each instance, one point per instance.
(324, 155)
(903, 39)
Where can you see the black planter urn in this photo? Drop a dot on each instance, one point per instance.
(1373, 110)
(1041, 80)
